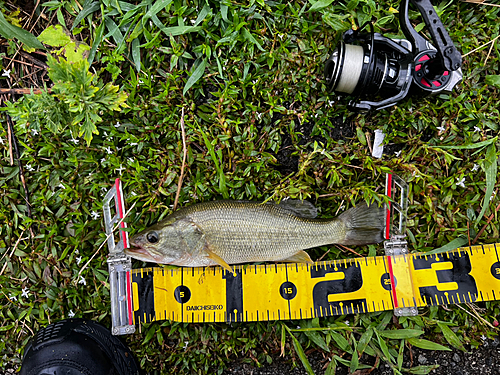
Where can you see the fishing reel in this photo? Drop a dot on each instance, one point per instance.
(380, 71)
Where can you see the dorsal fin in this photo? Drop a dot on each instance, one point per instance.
(299, 208)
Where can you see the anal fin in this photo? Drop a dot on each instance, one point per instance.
(300, 257)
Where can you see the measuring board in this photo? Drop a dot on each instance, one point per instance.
(303, 291)
(398, 281)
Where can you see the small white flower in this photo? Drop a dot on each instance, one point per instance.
(259, 115)
(26, 292)
(316, 115)
(71, 314)
(13, 298)
(185, 345)
(483, 337)
(298, 327)
(61, 186)
(492, 196)
(117, 125)
(398, 153)
(6, 73)
(103, 160)
(120, 170)
(131, 160)
(34, 132)
(141, 81)
(254, 81)
(330, 102)
(460, 182)
(1, 141)
(193, 21)
(75, 141)
(475, 167)
(441, 128)
(477, 129)
(133, 193)
(95, 215)
(77, 251)
(281, 36)
(133, 144)
(347, 322)
(104, 188)
(82, 281)
(105, 134)
(29, 168)
(108, 150)
(78, 260)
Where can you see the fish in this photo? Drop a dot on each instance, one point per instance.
(229, 232)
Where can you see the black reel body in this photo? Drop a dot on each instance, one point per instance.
(382, 71)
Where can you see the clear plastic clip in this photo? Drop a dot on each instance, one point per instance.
(119, 264)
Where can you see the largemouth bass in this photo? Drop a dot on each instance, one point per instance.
(232, 232)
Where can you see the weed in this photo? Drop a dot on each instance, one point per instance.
(259, 125)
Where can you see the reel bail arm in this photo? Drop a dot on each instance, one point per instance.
(449, 56)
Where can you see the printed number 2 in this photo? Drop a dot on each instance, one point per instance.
(352, 281)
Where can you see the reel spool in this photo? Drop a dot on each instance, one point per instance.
(383, 71)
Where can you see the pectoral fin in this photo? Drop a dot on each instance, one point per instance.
(217, 259)
(300, 257)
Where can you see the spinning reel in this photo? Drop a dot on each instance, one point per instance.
(371, 66)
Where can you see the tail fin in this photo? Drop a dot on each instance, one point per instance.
(364, 224)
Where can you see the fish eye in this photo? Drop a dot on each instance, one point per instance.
(152, 237)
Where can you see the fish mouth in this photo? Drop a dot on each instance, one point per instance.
(136, 250)
(140, 253)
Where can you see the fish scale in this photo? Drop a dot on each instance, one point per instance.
(232, 232)
(276, 235)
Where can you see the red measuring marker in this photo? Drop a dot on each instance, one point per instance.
(119, 264)
(396, 247)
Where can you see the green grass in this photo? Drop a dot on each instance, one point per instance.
(250, 79)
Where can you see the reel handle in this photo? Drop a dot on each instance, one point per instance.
(448, 55)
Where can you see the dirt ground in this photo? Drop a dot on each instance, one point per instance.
(484, 360)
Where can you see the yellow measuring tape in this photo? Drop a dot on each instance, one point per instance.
(303, 291)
